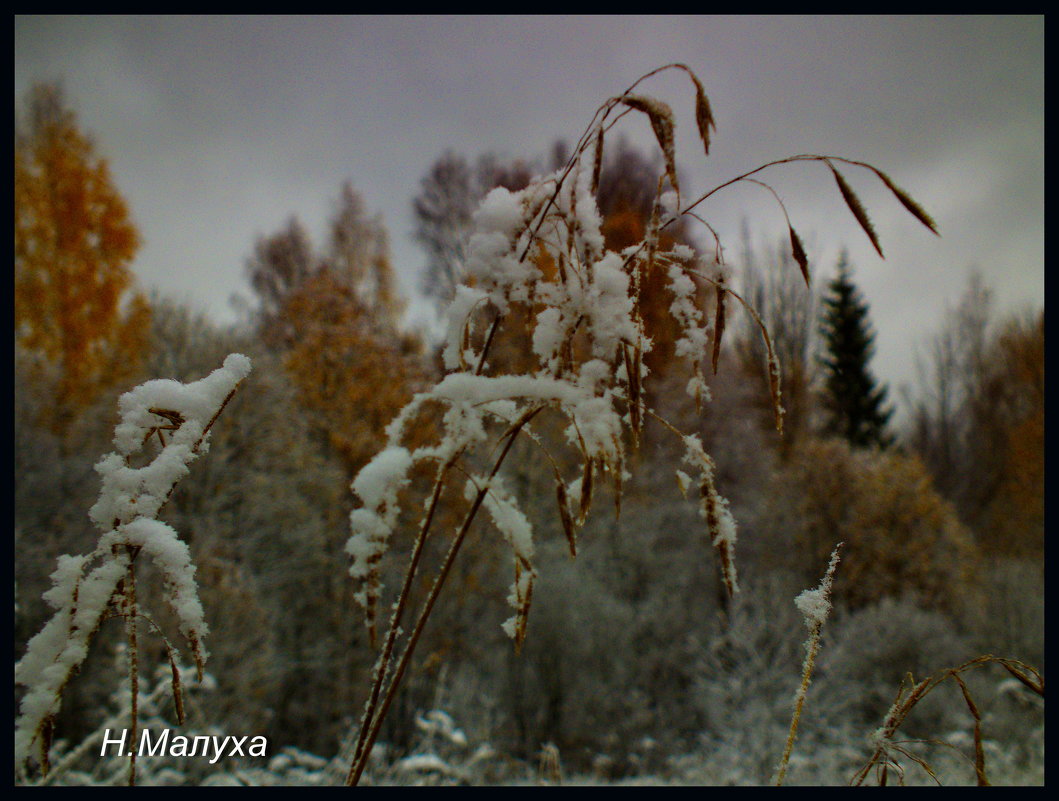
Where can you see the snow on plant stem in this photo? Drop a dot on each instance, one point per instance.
(87, 589)
(537, 271)
(815, 606)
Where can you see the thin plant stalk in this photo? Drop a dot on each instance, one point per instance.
(383, 664)
(395, 622)
(815, 606)
(370, 726)
(807, 673)
(882, 758)
(134, 665)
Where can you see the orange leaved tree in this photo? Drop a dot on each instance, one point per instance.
(75, 304)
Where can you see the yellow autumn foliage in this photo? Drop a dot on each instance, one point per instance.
(75, 302)
(1014, 519)
(901, 537)
(353, 369)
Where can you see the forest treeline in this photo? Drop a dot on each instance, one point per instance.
(634, 653)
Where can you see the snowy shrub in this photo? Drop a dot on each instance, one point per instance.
(949, 716)
(747, 686)
(745, 680)
(874, 648)
(1010, 617)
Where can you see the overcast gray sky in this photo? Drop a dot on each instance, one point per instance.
(219, 129)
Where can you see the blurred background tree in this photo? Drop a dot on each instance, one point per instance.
(854, 402)
(901, 537)
(978, 421)
(82, 332)
(335, 317)
(76, 306)
(444, 208)
(1013, 518)
(770, 280)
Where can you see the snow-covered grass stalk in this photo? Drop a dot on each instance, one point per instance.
(887, 751)
(815, 606)
(88, 589)
(537, 272)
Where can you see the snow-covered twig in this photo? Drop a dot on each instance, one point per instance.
(84, 588)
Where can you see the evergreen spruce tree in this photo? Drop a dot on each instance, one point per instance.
(855, 405)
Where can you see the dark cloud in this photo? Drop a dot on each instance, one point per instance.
(218, 129)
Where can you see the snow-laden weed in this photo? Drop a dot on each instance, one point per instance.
(537, 273)
(89, 589)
